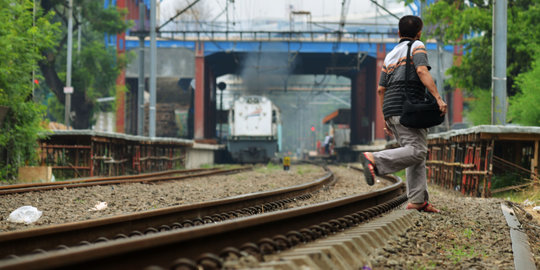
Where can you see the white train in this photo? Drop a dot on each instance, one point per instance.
(254, 130)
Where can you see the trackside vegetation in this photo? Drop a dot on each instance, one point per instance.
(23, 38)
(468, 25)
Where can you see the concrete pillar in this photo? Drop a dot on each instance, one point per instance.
(199, 127)
(457, 106)
(379, 117)
(360, 116)
(210, 104)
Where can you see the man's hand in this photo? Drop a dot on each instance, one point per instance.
(426, 79)
(387, 130)
(442, 106)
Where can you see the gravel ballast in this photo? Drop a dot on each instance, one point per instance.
(75, 204)
(469, 233)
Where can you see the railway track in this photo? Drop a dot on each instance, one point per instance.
(164, 219)
(114, 180)
(207, 245)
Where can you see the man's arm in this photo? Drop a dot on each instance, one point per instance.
(380, 91)
(426, 79)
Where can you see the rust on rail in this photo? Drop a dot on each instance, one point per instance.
(140, 178)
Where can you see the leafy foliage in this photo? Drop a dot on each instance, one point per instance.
(468, 24)
(524, 105)
(95, 67)
(479, 107)
(20, 46)
(506, 179)
(94, 71)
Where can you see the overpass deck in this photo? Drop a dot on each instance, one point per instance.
(276, 41)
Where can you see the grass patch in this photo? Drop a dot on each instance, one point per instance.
(401, 174)
(219, 166)
(518, 196)
(506, 180)
(80, 201)
(207, 166)
(269, 168)
(303, 169)
(424, 266)
(227, 166)
(273, 166)
(468, 233)
(464, 247)
(459, 253)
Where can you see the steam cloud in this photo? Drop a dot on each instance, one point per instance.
(264, 70)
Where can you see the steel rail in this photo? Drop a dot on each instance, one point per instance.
(70, 234)
(97, 179)
(177, 246)
(149, 177)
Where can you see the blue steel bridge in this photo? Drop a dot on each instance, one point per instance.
(277, 41)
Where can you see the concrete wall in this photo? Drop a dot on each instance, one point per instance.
(171, 62)
(35, 174)
(201, 154)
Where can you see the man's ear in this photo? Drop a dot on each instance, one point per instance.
(419, 34)
(399, 34)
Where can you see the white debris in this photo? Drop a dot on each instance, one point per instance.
(99, 206)
(537, 209)
(526, 202)
(25, 214)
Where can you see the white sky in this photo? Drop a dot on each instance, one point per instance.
(279, 9)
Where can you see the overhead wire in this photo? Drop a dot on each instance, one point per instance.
(196, 17)
(385, 9)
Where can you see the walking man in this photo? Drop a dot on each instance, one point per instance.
(327, 142)
(411, 155)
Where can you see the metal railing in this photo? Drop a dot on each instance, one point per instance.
(311, 36)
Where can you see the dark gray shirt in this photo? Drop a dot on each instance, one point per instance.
(393, 76)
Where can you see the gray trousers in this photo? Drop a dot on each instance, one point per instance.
(410, 155)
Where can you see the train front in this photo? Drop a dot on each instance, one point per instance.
(254, 128)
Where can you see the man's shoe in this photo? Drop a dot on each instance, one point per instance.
(425, 207)
(369, 169)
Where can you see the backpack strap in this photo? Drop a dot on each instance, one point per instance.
(407, 66)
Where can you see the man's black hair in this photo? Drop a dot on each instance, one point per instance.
(410, 25)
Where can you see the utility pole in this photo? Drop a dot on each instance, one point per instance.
(153, 62)
(439, 76)
(221, 86)
(140, 91)
(153, 67)
(68, 90)
(498, 82)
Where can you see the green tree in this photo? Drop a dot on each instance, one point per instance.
(95, 68)
(468, 24)
(524, 105)
(23, 36)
